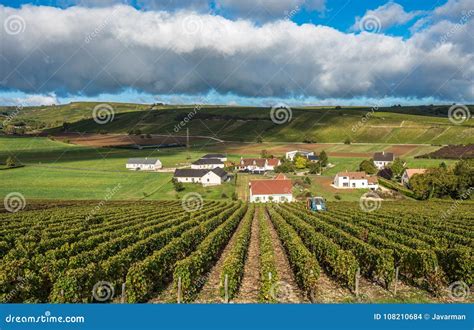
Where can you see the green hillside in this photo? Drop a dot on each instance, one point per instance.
(427, 124)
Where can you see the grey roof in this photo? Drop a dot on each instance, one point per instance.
(313, 157)
(384, 156)
(220, 172)
(214, 156)
(148, 161)
(208, 161)
(189, 173)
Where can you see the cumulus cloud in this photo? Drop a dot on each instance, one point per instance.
(89, 51)
(388, 15)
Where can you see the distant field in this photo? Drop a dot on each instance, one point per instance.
(320, 124)
(57, 170)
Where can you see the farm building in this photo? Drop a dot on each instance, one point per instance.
(355, 180)
(206, 177)
(143, 164)
(291, 154)
(258, 165)
(382, 159)
(409, 173)
(207, 163)
(221, 157)
(276, 190)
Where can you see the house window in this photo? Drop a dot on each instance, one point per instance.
(345, 184)
(353, 184)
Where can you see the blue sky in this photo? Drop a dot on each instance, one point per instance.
(237, 52)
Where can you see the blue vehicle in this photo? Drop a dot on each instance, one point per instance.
(316, 204)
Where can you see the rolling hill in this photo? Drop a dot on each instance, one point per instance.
(395, 125)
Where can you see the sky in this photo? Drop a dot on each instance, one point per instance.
(247, 52)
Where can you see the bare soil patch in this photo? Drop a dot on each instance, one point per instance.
(114, 140)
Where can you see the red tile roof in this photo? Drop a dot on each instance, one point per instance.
(270, 187)
(260, 162)
(273, 161)
(281, 176)
(413, 171)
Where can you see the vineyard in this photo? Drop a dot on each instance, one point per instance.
(236, 252)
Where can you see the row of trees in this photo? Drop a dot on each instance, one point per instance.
(454, 181)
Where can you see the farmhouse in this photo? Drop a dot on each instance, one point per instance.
(409, 173)
(143, 164)
(206, 177)
(355, 180)
(255, 165)
(207, 163)
(221, 157)
(291, 154)
(258, 165)
(276, 190)
(382, 159)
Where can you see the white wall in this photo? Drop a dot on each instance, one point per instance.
(380, 165)
(211, 179)
(188, 180)
(144, 167)
(266, 198)
(340, 182)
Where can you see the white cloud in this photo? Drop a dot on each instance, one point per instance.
(29, 100)
(388, 15)
(89, 51)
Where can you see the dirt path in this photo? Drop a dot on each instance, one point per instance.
(289, 291)
(168, 295)
(329, 291)
(210, 291)
(250, 285)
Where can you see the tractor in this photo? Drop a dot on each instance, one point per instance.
(316, 204)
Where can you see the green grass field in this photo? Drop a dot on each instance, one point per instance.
(57, 170)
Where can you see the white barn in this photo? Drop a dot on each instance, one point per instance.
(278, 190)
(207, 164)
(205, 177)
(143, 164)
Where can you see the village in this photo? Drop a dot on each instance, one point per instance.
(215, 169)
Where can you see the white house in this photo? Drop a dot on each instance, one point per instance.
(409, 173)
(221, 157)
(205, 177)
(207, 164)
(143, 164)
(258, 165)
(291, 154)
(278, 190)
(355, 180)
(383, 159)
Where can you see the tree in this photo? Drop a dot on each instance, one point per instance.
(307, 180)
(178, 186)
(285, 167)
(347, 141)
(259, 139)
(420, 185)
(368, 166)
(464, 171)
(264, 154)
(314, 168)
(323, 158)
(397, 167)
(10, 162)
(300, 162)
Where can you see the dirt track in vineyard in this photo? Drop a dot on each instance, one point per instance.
(289, 292)
(210, 290)
(250, 285)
